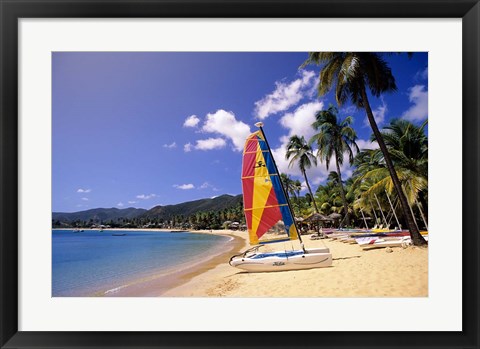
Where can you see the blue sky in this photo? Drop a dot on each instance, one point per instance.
(142, 129)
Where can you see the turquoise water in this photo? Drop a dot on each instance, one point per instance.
(92, 262)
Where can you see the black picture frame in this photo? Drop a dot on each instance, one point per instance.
(12, 11)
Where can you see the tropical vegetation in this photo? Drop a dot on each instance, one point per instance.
(300, 152)
(352, 74)
(334, 138)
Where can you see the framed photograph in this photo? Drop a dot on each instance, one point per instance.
(240, 174)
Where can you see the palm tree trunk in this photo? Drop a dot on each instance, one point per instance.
(417, 238)
(310, 191)
(342, 192)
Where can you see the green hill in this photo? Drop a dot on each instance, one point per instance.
(200, 213)
(189, 208)
(98, 215)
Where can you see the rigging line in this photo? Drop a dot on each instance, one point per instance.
(376, 218)
(393, 209)
(419, 208)
(393, 214)
(366, 225)
(390, 216)
(396, 205)
(380, 208)
(410, 207)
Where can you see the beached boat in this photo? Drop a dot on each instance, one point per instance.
(388, 242)
(268, 213)
(370, 239)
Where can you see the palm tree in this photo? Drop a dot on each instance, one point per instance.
(408, 145)
(300, 151)
(335, 138)
(297, 187)
(408, 148)
(288, 185)
(352, 73)
(329, 195)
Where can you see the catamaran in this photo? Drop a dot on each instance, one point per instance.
(269, 215)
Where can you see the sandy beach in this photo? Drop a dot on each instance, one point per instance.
(354, 273)
(395, 272)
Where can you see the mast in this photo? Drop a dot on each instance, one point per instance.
(398, 223)
(419, 208)
(364, 218)
(380, 208)
(260, 126)
(373, 209)
(411, 210)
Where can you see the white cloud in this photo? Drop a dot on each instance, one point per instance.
(419, 110)
(348, 110)
(187, 147)
(210, 143)
(297, 123)
(226, 124)
(132, 202)
(207, 185)
(378, 113)
(120, 204)
(300, 121)
(85, 199)
(146, 196)
(184, 186)
(421, 74)
(285, 95)
(366, 144)
(84, 190)
(170, 146)
(191, 121)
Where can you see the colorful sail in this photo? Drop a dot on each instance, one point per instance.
(264, 199)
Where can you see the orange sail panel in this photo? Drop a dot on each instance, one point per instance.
(264, 200)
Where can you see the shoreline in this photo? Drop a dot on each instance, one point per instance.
(160, 283)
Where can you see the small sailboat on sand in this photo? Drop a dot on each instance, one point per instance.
(269, 216)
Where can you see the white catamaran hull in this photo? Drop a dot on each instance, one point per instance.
(283, 260)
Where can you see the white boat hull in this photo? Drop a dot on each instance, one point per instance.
(387, 242)
(283, 260)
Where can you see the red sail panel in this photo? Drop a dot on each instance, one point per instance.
(268, 218)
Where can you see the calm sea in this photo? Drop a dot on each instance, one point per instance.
(92, 262)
